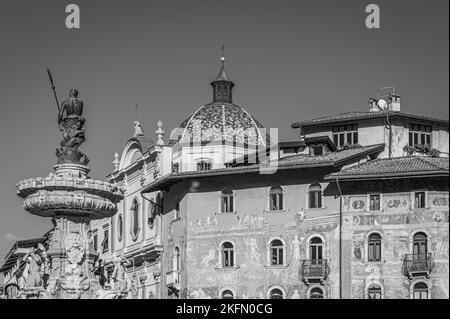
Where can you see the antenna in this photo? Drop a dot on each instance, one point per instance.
(388, 88)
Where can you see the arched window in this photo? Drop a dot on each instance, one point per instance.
(276, 198)
(374, 292)
(135, 219)
(420, 291)
(227, 294)
(315, 196)
(374, 247)
(316, 293)
(176, 259)
(420, 248)
(227, 254)
(120, 227)
(316, 250)
(227, 201)
(276, 252)
(276, 293)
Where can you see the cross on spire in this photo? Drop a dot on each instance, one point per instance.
(136, 111)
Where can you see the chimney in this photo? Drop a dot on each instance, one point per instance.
(394, 102)
(373, 105)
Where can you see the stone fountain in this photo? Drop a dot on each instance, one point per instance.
(65, 269)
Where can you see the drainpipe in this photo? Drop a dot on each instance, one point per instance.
(390, 134)
(340, 236)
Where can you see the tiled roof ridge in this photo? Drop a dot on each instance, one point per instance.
(397, 165)
(424, 159)
(359, 114)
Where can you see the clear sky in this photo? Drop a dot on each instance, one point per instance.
(290, 60)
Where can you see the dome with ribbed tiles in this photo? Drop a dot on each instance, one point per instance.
(220, 122)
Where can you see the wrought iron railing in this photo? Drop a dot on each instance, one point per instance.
(314, 269)
(416, 264)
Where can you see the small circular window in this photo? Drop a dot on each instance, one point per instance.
(120, 227)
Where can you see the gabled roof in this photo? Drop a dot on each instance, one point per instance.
(412, 166)
(335, 159)
(349, 116)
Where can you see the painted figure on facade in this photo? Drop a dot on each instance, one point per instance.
(71, 124)
(295, 247)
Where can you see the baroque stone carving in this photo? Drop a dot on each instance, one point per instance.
(118, 285)
(35, 268)
(71, 124)
(74, 281)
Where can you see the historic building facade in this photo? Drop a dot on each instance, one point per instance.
(395, 228)
(356, 208)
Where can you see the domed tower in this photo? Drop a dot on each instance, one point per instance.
(216, 133)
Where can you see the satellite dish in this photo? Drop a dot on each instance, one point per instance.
(382, 104)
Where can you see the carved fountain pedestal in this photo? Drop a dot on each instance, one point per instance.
(71, 199)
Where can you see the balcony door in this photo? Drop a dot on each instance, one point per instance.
(420, 247)
(316, 251)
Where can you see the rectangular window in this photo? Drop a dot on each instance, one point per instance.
(345, 134)
(419, 200)
(315, 199)
(419, 134)
(95, 242)
(375, 202)
(277, 256)
(105, 243)
(317, 150)
(227, 203)
(276, 201)
(228, 258)
(203, 166)
(420, 294)
(374, 251)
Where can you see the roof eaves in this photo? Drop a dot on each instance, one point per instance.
(386, 175)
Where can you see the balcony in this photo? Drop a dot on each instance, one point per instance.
(417, 265)
(173, 279)
(314, 271)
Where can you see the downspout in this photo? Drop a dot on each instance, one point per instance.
(390, 134)
(340, 236)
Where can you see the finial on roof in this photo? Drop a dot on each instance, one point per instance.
(138, 131)
(160, 134)
(116, 161)
(222, 84)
